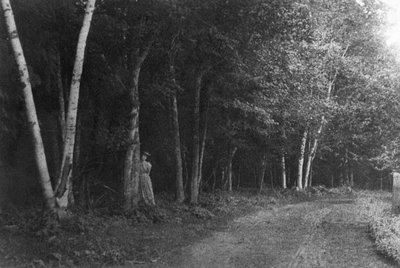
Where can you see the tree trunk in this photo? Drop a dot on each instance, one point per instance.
(214, 181)
(223, 179)
(312, 154)
(33, 122)
(283, 171)
(194, 193)
(351, 178)
(82, 192)
(314, 147)
(132, 157)
(203, 135)
(76, 166)
(62, 190)
(262, 172)
(202, 151)
(179, 190)
(261, 178)
(301, 160)
(350, 173)
(180, 193)
(307, 172)
(58, 139)
(185, 172)
(231, 156)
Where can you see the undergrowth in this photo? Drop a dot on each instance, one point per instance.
(386, 232)
(375, 207)
(107, 236)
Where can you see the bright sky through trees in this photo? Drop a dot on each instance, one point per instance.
(393, 30)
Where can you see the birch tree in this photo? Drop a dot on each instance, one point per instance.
(33, 122)
(283, 171)
(301, 160)
(63, 186)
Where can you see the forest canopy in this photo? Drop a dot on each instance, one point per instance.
(224, 94)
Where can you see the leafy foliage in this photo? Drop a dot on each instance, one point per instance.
(271, 70)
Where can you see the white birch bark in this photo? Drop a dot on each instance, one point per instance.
(33, 122)
(301, 160)
(68, 152)
(314, 147)
(313, 152)
(283, 170)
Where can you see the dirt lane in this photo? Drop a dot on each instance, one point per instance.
(317, 234)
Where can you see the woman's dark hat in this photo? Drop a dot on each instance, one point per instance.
(146, 153)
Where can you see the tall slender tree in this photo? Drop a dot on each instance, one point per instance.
(180, 193)
(301, 159)
(136, 58)
(194, 185)
(33, 122)
(62, 190)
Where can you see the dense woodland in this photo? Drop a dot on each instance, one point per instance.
(224, 94)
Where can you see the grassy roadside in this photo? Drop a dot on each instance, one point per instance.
(105, 236)
(375, 207)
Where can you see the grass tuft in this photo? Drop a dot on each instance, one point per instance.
(384, 227)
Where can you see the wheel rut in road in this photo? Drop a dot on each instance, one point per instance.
(313, 234)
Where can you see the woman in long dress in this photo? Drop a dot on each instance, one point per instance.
(146, 187)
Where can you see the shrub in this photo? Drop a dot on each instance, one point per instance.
(386, 232)
(383, 225)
